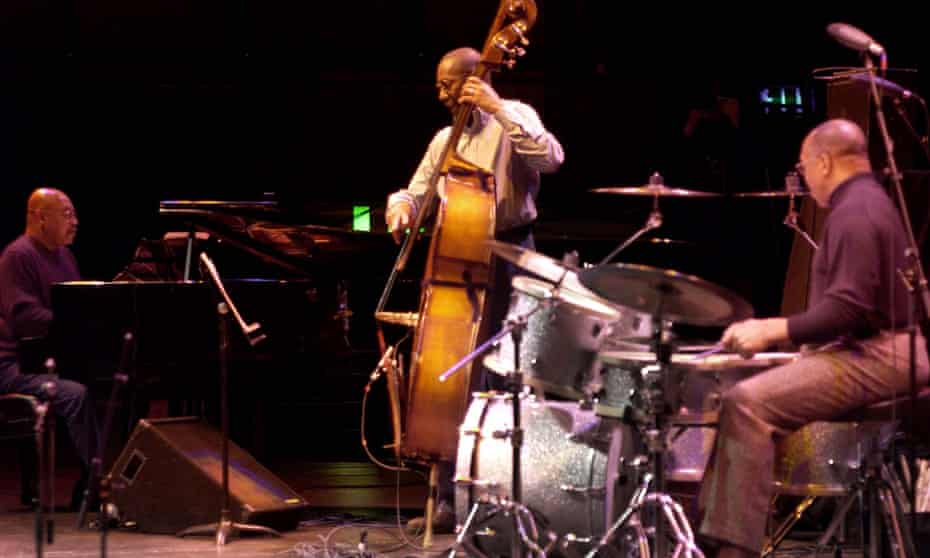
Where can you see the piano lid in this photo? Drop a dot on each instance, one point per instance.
(264, 230)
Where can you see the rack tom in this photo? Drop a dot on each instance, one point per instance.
(559, 345)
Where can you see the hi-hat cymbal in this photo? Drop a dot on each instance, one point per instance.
(685, 298)
(770, 194)
(659, 190)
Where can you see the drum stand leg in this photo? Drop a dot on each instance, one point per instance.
(628, 516)
(668, 516)
(782, 531)
(884, 506)
(673, 514)
(461, 541)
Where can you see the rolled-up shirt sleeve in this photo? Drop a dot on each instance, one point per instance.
(531, 141)
(419, 184)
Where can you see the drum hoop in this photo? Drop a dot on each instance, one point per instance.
(720, 361)
(580, 301)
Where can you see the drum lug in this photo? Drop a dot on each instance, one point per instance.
(582, 490)
(480, 483)
(572, 538)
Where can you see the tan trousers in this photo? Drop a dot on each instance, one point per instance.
(822, 384)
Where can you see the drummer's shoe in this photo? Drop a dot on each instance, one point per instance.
(443, 521)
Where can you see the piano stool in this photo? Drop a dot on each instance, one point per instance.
(22, 420)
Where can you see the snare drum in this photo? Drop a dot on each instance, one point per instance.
(696, 388)
(559, 346)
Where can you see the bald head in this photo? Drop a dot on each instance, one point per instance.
(832, 153)
(50, 218)
(461, 61)
(451, 72)
(839, 137)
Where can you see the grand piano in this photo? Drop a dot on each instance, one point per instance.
(308, 285)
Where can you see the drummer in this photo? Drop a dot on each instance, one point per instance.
(857, 314)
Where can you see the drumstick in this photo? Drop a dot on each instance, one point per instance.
(719, 347)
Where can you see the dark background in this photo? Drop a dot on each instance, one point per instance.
(125, 104)
(324, 105)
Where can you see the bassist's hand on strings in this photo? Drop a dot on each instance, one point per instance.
(399, 217)
(480, 92)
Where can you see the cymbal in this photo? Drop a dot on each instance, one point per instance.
(685, 298)
(542, 265)
(653, 190)
(770, 194)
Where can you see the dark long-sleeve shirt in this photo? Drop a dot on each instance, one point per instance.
(27, 272)
(855, 289)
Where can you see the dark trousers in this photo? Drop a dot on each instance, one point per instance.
(498, 303)
(72, 404)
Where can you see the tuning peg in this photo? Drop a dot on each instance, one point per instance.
(519, 32)
(510, 63)
(502, 46)
(518, 51)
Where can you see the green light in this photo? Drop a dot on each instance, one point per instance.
(361, 218)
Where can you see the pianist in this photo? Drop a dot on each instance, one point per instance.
(28, 267)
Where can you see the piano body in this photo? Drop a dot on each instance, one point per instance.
(298, 281)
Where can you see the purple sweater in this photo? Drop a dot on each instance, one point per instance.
(855, 290)
(27, 272)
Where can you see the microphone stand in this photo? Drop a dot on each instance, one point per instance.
(791, 219)
(917, 284)
(226, 527)
(97, 482)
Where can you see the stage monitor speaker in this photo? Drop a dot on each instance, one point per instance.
(169, 477)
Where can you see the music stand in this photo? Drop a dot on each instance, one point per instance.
(226, 527)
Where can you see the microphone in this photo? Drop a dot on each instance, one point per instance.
(855, 38)
(885, 86)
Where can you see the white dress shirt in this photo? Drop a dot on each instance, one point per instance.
(513, 144)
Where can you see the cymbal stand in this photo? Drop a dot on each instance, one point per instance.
(654, 221)
(521, 515)
(651, 421)
(792, 184)
(226, 527)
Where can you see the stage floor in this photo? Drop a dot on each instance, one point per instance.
(327, 536)
(347, 499)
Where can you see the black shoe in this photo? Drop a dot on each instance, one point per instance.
(443, 521)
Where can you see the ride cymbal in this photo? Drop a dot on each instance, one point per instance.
(684, 298)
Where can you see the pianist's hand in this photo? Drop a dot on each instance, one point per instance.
(398, 217)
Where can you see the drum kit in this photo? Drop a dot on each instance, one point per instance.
(574, 459)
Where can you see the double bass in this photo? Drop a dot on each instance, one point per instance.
(457, 272)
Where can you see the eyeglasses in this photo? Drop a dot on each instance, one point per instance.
(448, 86)
(799, 166)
